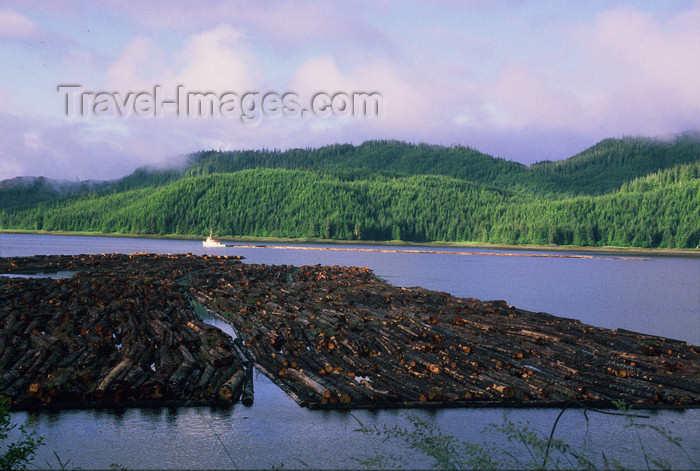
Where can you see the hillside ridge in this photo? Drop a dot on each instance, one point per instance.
(631, 192)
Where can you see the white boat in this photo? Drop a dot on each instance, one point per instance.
(211, 242)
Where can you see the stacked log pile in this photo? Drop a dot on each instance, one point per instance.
(120, 331)
(123, 329)
(339, 337)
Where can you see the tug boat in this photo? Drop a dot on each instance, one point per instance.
(211, 242)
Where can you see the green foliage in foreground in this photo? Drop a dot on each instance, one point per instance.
(19, 453)
(660, 210)
(534, 449)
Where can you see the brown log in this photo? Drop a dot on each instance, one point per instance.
(302, 378)
(505, 390)
(231, 388)
(409, 341)
(104, 385)
(6, 358)
(35, 390)
(186, 355)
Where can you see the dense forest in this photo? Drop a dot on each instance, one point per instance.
(632, 192)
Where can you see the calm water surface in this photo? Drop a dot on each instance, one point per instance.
(659, 296)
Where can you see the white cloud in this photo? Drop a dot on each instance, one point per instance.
(412, 103)
(218, 60)
(520, 98)
(85, 149)
(17, 26)
(648, 70)
(626, 72)
(5, 102)
(140, 66)
(214, 60)
(558, 80)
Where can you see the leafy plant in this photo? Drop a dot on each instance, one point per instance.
(534, 450)
(19, 453)
(63, 465)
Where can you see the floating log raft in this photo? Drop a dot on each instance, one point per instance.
(120, 331)
(123, 330)
(337, 337)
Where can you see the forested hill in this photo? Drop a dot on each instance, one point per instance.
(612, 162)
(21, 192)
(372, 157)
(599, 169)
(621, 192)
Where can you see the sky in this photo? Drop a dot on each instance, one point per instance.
(522, 80)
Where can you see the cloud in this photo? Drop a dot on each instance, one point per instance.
(84, 149)
(286, 25)
(519, 98)
(5, 101)
(14, 25)
(213, 60)
(218, 60)
(414, 104)
(625, 72)
(648, 69)
(527, 82)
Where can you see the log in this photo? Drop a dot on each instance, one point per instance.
(300, 377)
(505, 390)
(206, 376)
(180, 375)
(247, 396)
(6, 358)
(186, 355)
(132, 380)
(231, 388)
(152, 389)
(70, 358)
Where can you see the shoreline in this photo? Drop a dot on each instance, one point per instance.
(612, 250)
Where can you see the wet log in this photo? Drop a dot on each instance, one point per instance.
(155, 390)
(220, 376)
(230, 390)
(180, 375)
(186, 355)
(71, 358)
(247, 395)
(6, 358)
(206, 376)
(39, 358)
(302, 378)
(132, 380)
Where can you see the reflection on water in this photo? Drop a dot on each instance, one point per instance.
(219, 323)
(274, 431)
(56, 275)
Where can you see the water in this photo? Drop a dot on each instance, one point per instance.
(56, 275)
(660, 296)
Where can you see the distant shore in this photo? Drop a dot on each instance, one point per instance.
(692, 253)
